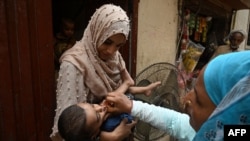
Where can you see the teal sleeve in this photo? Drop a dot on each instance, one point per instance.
(172, 122)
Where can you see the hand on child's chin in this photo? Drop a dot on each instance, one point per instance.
(110, 107)
(106, 103)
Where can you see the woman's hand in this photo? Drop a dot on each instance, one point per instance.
(122, 131)
(118, 103)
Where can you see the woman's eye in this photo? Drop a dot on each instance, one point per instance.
(108, 42)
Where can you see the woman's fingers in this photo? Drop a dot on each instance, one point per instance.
(118, 103)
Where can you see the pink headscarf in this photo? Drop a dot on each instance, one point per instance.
(99, 76)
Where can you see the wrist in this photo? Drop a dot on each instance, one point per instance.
(110, 136)
(105, 136)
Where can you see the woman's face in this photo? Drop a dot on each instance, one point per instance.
(95, 116)
(198, 104)
(108, 49)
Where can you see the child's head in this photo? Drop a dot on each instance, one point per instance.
(67, 27)
(84, 121)
(81, 121)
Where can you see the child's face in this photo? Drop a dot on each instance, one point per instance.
(95, 116)
(68, 29)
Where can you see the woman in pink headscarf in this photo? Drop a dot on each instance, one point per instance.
(93, 67)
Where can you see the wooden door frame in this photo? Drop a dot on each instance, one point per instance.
(27, 99)
(133, 40)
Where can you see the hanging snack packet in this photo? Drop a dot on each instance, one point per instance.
(191, 56)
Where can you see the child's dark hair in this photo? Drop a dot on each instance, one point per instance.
(65, 21)
(72, 124)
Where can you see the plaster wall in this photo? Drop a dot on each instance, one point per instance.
(157, 32)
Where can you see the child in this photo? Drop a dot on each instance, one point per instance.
(64, 39)
(85, 121)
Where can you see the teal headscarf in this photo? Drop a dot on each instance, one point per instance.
(224, 72)
(227, 82)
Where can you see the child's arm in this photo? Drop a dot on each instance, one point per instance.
(146, 90)
(128, 85)
(127, 82)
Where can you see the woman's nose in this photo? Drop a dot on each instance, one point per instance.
(111, 50)
(236, 42)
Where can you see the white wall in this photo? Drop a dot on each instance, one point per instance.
(157, 32)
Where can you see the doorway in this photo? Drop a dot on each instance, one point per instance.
(81, 11)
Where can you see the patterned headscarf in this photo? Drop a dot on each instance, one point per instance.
(99, 76)
(227, 82)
